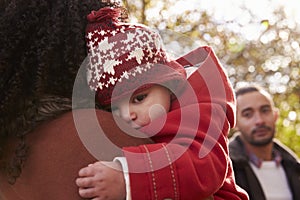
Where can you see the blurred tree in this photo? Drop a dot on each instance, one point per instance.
(269, 56)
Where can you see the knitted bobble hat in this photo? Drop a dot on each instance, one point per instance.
(124, 57)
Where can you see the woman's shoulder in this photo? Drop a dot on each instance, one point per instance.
(57, 151)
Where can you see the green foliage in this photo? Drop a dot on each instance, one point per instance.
(272, 58)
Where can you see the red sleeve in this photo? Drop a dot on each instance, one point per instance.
(189, 159)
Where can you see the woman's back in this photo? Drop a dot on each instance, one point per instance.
(42, 49)
(55, 156)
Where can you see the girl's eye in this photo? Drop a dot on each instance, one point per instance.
(139, 98)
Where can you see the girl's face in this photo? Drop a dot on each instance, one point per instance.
(142, 107)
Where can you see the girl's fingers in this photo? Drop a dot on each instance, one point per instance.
(87, 192)
(84, 182)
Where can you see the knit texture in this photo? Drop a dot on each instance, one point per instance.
(126, 53)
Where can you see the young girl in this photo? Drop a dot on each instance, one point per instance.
(187, 118)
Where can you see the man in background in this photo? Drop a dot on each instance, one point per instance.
(263, 166)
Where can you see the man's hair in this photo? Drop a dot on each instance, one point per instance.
(253, 88)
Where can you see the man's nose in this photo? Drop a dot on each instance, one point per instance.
(259, 120)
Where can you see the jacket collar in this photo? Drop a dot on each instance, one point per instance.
(258, 162)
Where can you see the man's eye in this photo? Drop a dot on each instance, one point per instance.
(266, 110)
(139, 98)
(247, 114)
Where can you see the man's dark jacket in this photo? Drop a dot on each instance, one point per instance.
(246, 178)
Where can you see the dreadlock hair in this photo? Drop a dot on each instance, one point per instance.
(42, 48)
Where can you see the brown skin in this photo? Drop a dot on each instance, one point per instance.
(56, 156)
(256, 120)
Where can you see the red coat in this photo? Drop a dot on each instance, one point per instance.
(189, 159)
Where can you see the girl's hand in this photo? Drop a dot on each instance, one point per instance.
(102, 180)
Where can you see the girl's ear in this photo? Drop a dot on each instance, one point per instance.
(173, 97)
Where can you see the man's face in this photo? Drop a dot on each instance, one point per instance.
(256, 118)
(142, 107)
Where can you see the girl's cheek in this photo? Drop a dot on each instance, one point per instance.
(156, 110)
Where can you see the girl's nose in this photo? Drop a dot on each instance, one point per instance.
(127, 113)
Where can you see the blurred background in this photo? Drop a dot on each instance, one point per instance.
(256, 41)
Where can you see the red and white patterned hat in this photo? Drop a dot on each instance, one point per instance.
(124, 57)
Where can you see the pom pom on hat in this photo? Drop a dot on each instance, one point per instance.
(124, 57)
